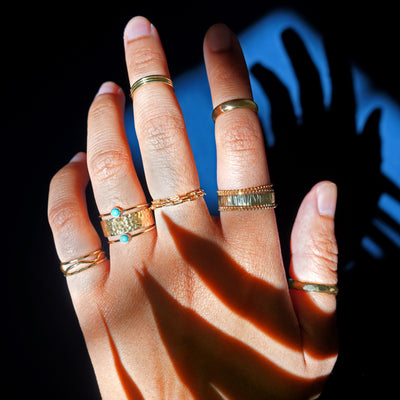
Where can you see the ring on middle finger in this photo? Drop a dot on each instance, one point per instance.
(126, 223)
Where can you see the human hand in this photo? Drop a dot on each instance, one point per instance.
(198, 307)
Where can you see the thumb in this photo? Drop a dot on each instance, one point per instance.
(314, 259)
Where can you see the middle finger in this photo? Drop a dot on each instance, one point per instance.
(167, 157)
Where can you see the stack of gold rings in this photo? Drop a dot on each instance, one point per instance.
(121, 225)
(127, 223)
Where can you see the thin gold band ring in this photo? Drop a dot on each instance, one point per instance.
(149, 79)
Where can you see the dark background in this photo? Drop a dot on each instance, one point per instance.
(54, 61)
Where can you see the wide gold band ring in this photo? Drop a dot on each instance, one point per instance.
(252, 198)
(233, 104)
(126, 223)
(178, 199)
(313, 287)
(149, 79)
(82, 263)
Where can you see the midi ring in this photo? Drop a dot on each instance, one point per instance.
(231, 105)
(82, 263)
(252, 198)
(148, 79)
(178, 199)
(123, 222)
(313, 287)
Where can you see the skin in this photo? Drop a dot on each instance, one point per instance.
(198, 308)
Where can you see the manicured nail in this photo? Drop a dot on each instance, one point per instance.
(219, 38)
(326, 199)
(81, 156)
(109, 87)
(137, 27)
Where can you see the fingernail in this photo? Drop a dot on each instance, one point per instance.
(109, 87)
(81, 156)
(219, 38)
(137, 27)
(326, 199)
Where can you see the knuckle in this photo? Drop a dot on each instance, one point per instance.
(109, 164)
(240, 138)
(64, 215)
(162, 132)
(142, 57)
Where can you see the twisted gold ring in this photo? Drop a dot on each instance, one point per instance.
(82, 263)
(232, 104)
(149, 79)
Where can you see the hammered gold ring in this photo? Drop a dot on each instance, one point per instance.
(313, 287)
(232, 105)
(127, 223)
(252, 198)
(82, 263)
(149, 79)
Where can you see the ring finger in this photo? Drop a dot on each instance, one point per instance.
(241, 158)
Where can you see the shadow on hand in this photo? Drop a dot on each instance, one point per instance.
(324, 144)
(205, 357)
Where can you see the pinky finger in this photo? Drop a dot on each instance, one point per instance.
(74, 234)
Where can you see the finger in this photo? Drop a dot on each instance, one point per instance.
(167, 157)
(74, 234)
(238, 133)
(314, 259)
(111, 169)
(241, 158)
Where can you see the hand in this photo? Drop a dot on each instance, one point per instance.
(198, 307)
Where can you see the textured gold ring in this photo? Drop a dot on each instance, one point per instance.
(313, 287)
(232, 105)
(252, 198)
(149, 79)
(122, 222)
(178, 199)
(82, 263)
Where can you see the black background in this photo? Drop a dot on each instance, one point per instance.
(54, 60)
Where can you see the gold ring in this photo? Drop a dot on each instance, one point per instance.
(83, 263)
(252, 198)
(313, 287)
(232, 104)
(148, 79)
(126, 237)
(124, 221)
(178, 199)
